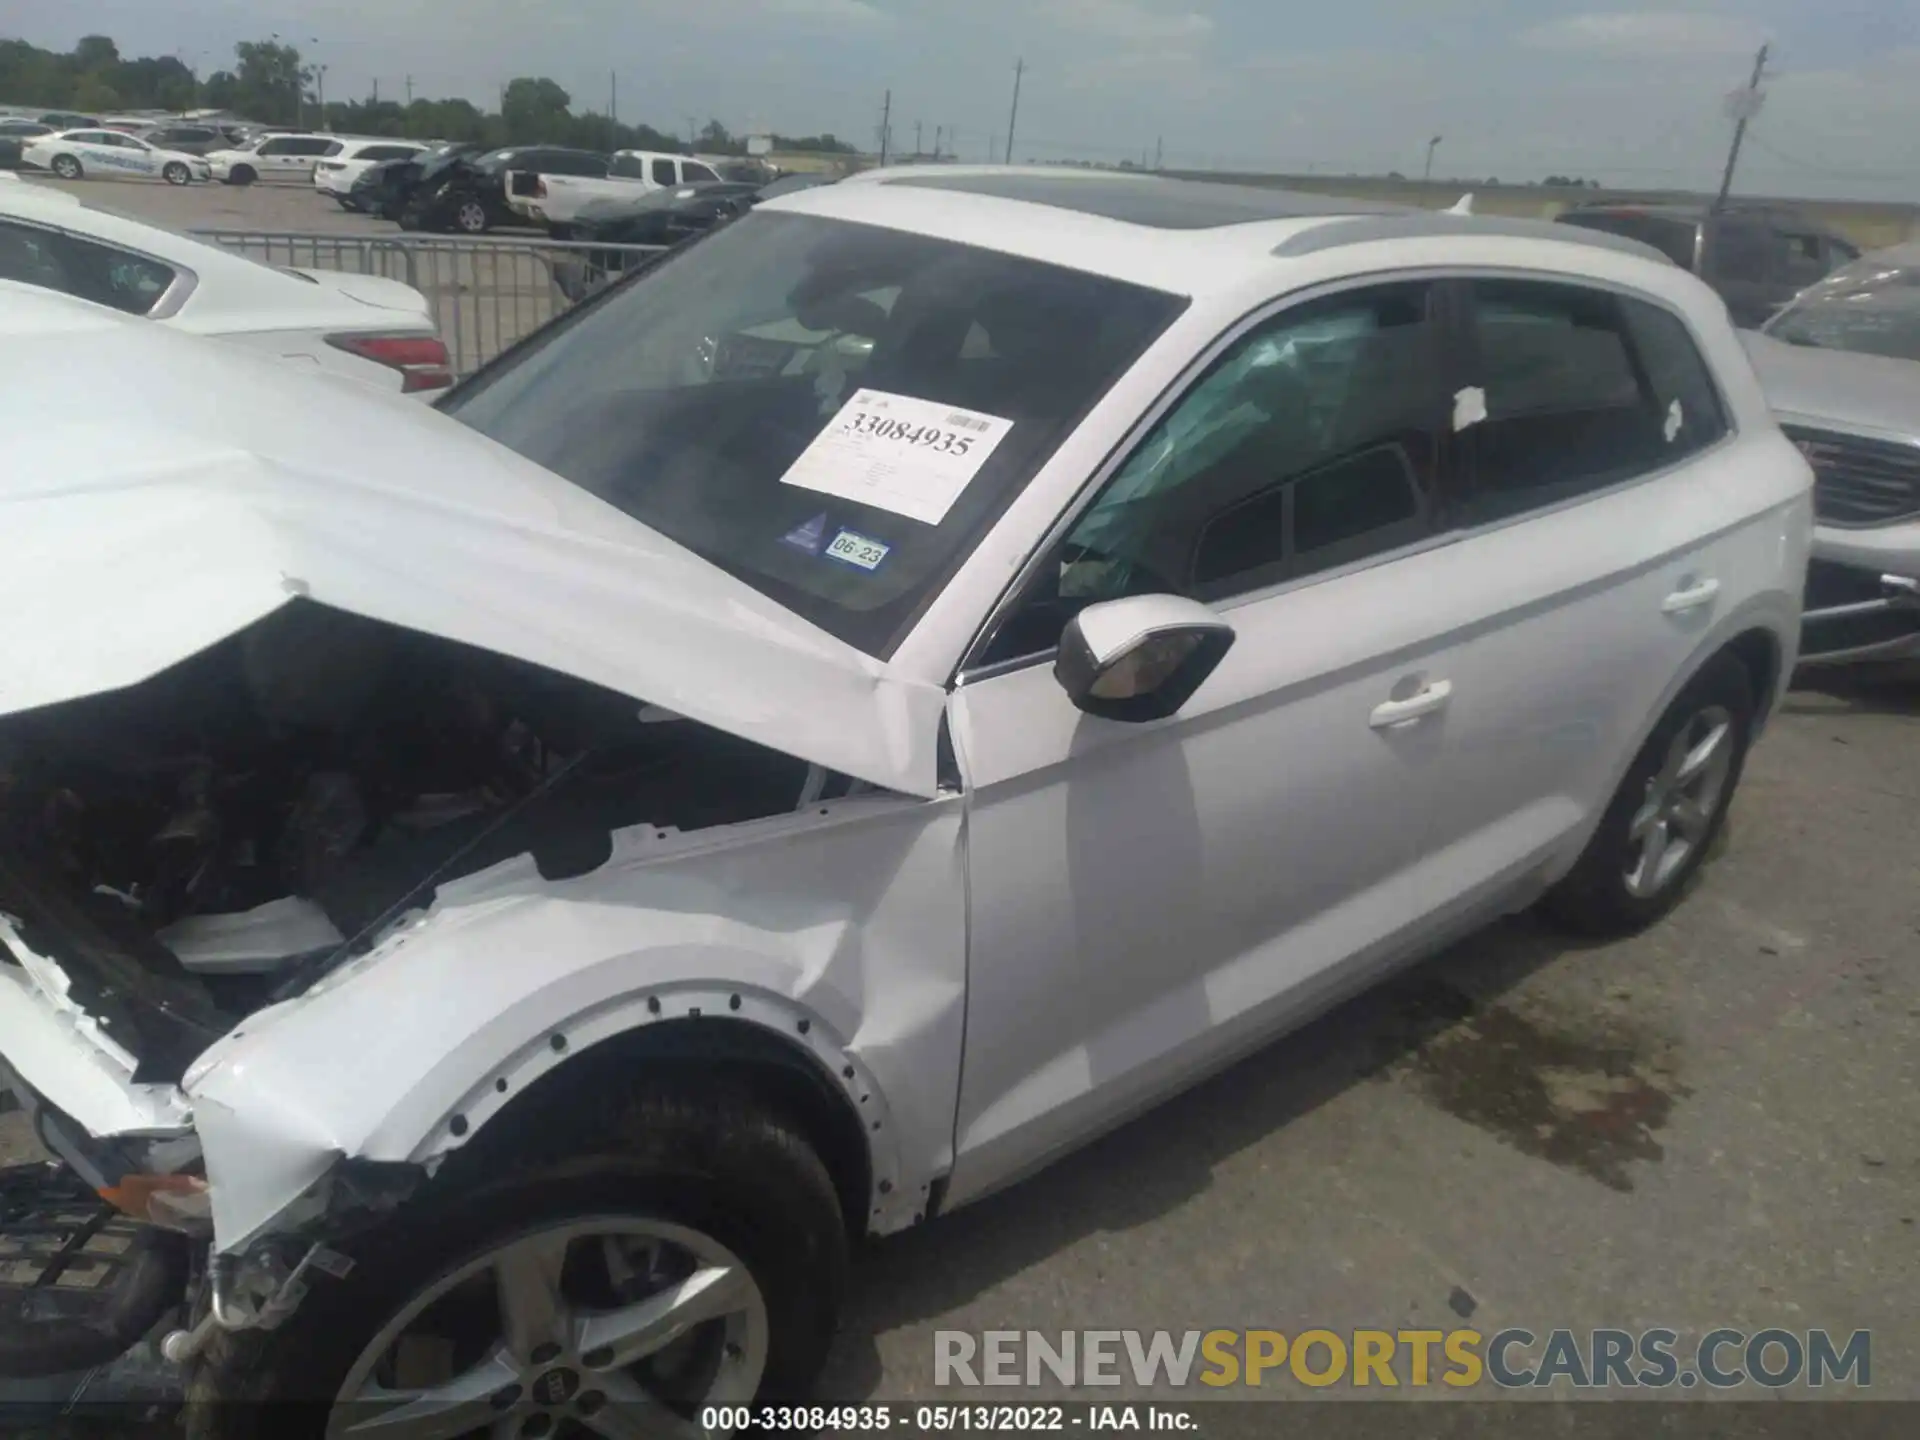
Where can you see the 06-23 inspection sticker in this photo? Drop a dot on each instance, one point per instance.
(899, 454)
(851, 548)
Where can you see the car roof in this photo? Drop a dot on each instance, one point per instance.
(1184, 237)
(1141, 200)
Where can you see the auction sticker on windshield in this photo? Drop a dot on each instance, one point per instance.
(906, 456)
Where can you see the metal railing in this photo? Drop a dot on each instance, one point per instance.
(484, 294)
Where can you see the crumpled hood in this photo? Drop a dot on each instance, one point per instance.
(186, 491)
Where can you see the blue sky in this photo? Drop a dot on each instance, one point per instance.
(1630, 93)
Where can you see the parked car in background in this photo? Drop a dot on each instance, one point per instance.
(189, 139)
(660, 217)
(810, 738)
(1841, 367)
(273, 157)
(372, 329)
(458, 190)
(1756, 257)
(15, 136)
(103, 154)
(563, 202)
(335, 175)
(69, 120)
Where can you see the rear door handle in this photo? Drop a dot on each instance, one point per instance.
(1690, 597)
(1399, 712)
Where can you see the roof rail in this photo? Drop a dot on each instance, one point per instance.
(1419, 225)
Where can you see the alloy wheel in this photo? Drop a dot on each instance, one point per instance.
(615, 1326)
(66, 167)
(472, 218)
(1683, 798)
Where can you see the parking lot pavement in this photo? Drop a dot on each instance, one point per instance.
(297, 208)
(1711, 1125)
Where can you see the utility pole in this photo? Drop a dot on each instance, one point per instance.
(917, 151)
(886, 127)
(1019, 69)
(376, 89)
(1743, 105)
(1432, 145)
(1159, 151)
(936, 140)
(613, 97)
(409, 90)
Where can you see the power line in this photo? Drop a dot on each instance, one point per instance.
(1835, 171)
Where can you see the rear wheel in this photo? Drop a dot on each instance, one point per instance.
(66, 167)
(695, 1258)
(1668, 810)
(176, 173)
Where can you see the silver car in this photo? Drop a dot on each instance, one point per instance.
(1841, 366)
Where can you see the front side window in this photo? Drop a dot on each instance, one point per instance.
(1577, 389)
(663, 173)
(628, 167)
(697, 173)
(1312, 443)
(55, 260)
(1744, 251)
(276, 147)
(831, 412)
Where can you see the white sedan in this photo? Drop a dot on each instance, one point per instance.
(76, 154)
(810, 738)
(364, 326)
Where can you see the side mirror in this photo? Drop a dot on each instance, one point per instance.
(1140, 658)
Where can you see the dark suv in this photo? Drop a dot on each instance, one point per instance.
(188, 139)
(1757, 258)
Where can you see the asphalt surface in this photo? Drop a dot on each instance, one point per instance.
(277, 207)
(1711, 1125)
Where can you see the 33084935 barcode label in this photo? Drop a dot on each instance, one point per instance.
(900, 454)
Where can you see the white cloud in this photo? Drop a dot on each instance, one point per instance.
(1647, 33)
(1130, 22)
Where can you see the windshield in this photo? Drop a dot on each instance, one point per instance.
(1871, 307)
(830, 412)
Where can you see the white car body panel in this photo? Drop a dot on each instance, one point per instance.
(229, 297)
(97, 160)
(567, 195)
(1007, 959)
(271, 166)
(335, 174)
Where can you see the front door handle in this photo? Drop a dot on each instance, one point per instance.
(1399, 712)
(1690, 597)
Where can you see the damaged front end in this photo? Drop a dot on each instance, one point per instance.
(208, 845)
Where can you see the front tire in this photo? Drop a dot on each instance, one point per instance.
(470, 218)
(677, 1203)
(242, 175)
(66, 167)
(176, 174)
(1668, 811)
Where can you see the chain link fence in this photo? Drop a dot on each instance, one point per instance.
(484, 294)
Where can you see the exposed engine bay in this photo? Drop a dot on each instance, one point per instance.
(268, 806)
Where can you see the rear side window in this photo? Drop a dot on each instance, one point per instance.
(1580, 389)
(386, 152)
(1672, 237)
(55, 260)
(663, 173)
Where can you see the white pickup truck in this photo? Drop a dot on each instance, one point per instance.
(555, 201)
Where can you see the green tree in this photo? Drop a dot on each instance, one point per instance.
(92, 94)
(96, 54)
(269, 81)
(535, 110)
